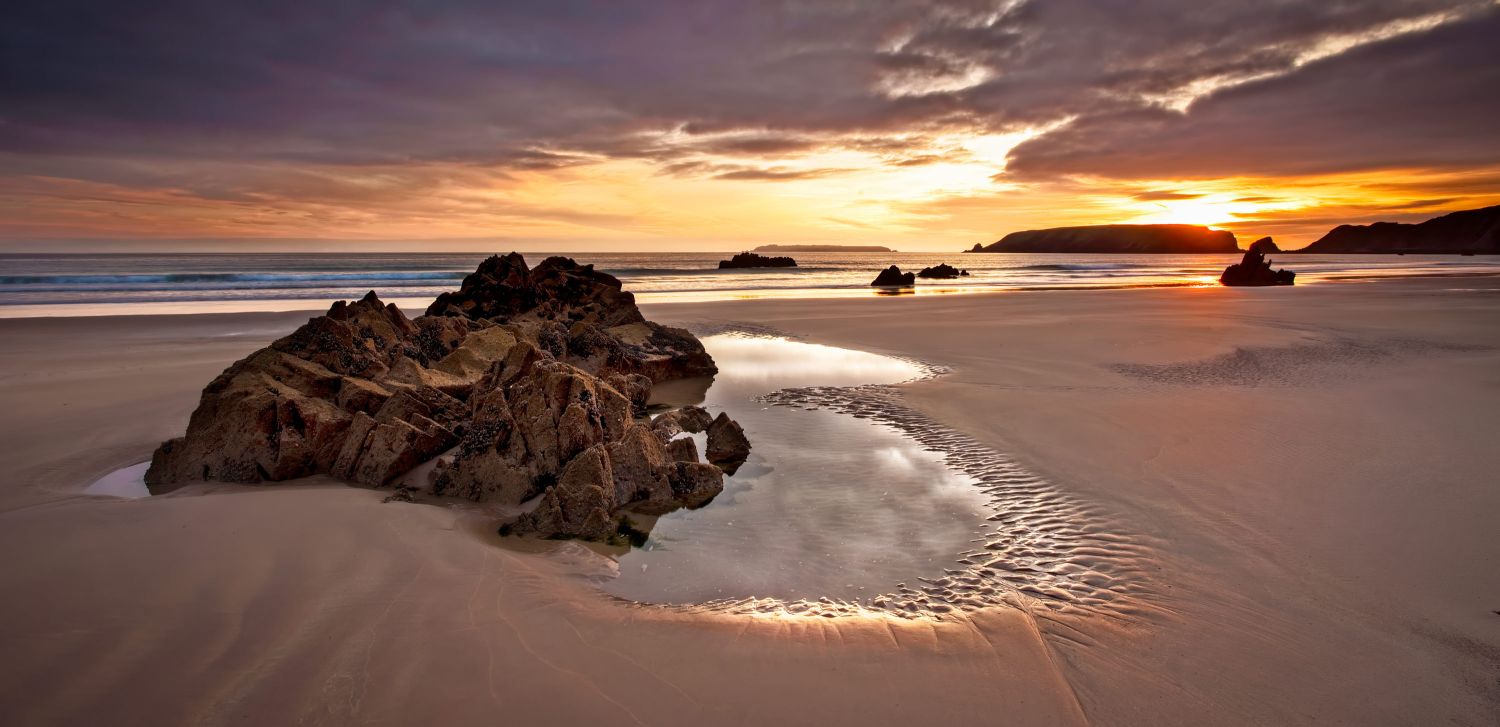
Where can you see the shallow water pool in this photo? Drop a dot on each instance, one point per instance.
(828, 505)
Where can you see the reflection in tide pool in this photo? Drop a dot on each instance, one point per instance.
(827, 505)
(125, 482)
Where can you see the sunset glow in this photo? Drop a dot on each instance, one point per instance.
(803, 124)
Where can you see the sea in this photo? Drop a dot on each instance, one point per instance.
(114, 284)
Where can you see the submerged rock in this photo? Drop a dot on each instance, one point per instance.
(892, 276)
(752, 260)
(1255, 269)
(531, 377)
(941, 270)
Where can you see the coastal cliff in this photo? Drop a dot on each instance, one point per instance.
(1467, 232)
(1172, 239)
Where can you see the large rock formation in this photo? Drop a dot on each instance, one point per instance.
(1264, 246)
(1255, 269)
(752, 260)
(533, 378)
(893, 277)
(942, 271)
(1466, 232)
(1176, 239)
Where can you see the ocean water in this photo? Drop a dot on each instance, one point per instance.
(56, 284)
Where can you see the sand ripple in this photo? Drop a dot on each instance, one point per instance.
(1041, 549)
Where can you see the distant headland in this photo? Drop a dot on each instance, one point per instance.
(1469, 232)
(1165, 239)
(822, 248)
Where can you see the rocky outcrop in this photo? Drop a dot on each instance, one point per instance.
(941, 271)
(1174, 239)
(578, 314)
(892, 276)
(727, 445)
(1255, 269)
(976, 248)
(1467, 232)
(752, 260)
(532, 380)
(1264, 246)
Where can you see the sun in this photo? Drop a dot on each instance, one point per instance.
(1209, 211)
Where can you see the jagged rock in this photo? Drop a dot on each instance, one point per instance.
(892, 276)
(941, 270)
(695, 484)
(580, 504)
(683, 450)
(1264, 246)
(687, 419)
(752, 260)
(1255, 269)
(533, 378)
(727, 445)
(978, 247)
(614, 335)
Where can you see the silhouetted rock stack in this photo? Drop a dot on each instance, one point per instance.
(1255, 269)
(892, 277)
(1264, 246)
(942, 270)
(976, 248)
(527, 382)
(752, 260)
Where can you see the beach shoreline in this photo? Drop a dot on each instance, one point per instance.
(1305, 467)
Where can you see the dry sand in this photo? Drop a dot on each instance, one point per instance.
(1308, 476)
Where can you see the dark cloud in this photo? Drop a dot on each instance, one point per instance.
(152, 92)
(1421, 100)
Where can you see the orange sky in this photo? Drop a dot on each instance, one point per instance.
(674, 131)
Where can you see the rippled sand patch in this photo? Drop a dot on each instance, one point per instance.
(1036, 547)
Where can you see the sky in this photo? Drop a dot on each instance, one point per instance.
(590, 125)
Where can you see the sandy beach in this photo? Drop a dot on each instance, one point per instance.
(1301, 479)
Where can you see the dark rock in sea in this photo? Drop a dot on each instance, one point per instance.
(892, 276)
(942, 270)
(1470, 231)
(1175, 239)
(1264, 246)
(752, 260)
(976, 248)
(529, 379)
(727, 445)
(1255, 269)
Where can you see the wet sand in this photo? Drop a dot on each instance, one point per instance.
(1304, 478)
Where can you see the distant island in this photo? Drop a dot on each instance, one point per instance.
(751, 260)
(1172, 239)
(822, 248)
(1469, 232)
